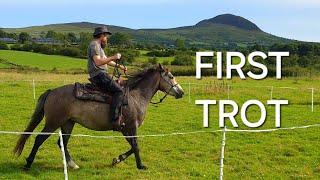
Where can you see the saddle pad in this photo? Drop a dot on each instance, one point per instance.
(90, 92)
(84, 93)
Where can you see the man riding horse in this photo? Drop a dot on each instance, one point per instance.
(97, 69)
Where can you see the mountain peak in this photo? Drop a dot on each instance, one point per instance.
(232, 20)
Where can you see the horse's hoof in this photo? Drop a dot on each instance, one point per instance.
(142, 167)
(115, 161)
(73, 165)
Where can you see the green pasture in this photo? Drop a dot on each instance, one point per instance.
(283, 154)
(43, 62)
(144, 58)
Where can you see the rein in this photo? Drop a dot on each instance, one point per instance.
(117, 74)
(172, 86)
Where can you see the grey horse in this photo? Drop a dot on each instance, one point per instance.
(63, 110)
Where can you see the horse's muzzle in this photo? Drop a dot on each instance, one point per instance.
(179, 94)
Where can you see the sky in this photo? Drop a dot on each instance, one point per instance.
(291, 19)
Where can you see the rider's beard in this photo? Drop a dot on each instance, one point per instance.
(104, 43)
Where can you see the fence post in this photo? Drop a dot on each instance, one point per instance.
(271, 95)
(222, 152)
(228, 91)
(34, 89)
(63, 157)
(189, 91)
(312, 91)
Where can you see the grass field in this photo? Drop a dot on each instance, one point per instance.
(284, 154)
(43, 62)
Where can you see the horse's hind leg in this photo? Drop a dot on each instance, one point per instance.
(38, 142)
(67, 129)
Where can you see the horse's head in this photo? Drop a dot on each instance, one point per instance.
(168, 84)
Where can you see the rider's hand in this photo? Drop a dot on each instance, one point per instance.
(124, 68)
(117, 56)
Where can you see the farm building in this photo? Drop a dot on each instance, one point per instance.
(9, 40)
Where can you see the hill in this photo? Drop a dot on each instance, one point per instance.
(217, 31)
(232, 20)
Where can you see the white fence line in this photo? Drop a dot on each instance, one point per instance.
(156, 135)
(160, 135)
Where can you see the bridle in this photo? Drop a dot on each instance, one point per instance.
(172, 86)
(117, 74)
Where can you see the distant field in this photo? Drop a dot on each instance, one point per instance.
(43, 62)
(144, 58)
(284, 154)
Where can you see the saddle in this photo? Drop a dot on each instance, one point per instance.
(91, 92)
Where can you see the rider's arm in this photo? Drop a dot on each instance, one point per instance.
(112, 63)
(101, 61)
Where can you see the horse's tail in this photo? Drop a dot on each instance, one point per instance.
(35, 120)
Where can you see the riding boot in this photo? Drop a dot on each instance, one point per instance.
(115, 124)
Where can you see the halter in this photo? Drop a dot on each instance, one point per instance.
(172, 86)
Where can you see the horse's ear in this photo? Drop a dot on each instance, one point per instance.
(161, 67)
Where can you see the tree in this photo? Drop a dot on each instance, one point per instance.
(85, 39)
(183, 60)
(13, 36)
(72, 37)
(3, 46)
(153, 60)
(62, 38)
(140, 46)
(23, 37)
(51, 34)
(3, 34)
(256, 47)
(120, 40)
(304, 61)
(304, 48)
(42, 34)
(179, 44)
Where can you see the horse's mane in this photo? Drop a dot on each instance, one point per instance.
(134, 79)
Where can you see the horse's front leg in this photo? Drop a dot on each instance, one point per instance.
(135, 148)
(122, 157)
(133, 143)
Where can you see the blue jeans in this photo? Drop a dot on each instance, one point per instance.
(104, 81)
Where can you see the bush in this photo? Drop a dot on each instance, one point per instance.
(45, 49)
(166, 62)
(16, 47)
(28, 46)
(3, 46)
(153, 60)
(183, 60)
(70, 51)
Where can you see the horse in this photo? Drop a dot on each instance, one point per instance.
(62, 110)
